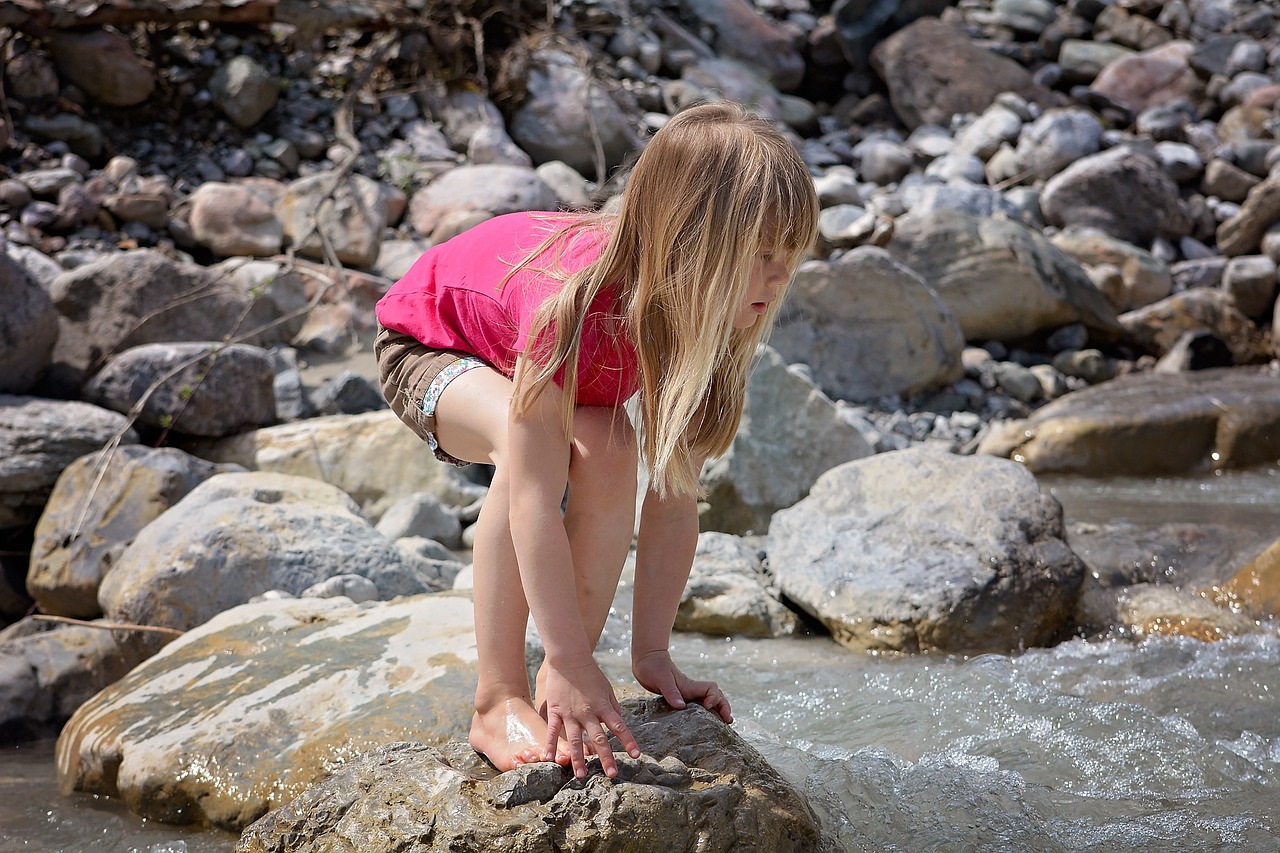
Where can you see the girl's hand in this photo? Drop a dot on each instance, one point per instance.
(581, 702)
(657, 673)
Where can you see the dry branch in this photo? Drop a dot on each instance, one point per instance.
(311, 15)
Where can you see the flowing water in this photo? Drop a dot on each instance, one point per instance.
(1111, 744)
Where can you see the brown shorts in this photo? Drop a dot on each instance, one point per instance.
(412, 376)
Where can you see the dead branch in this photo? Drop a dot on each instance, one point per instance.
(109, 626)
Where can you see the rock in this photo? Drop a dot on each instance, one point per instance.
(1120, 191)
(1152, 424)
(572, 190)
(933, 71)
(1242, 233)
(698, 786)
(1082, 61)
(1256, 587)
(244, 90)
(372, 457)
(98, 505)
(354, 587)
(48, 670)
(744, 34)
(1227, 181)
(907, 339)
(1251, 281)
(432, 560)
(1057, 139)
(238, 535)
(232, 219)
(421, 515)
(280, 692)
(492, 144)
(568, 116)
(1000, 279)
(204, 389)
(920, 549)
(38, 440)
(1161, 610)
(349, 211)
(1145, 278)
(495, 189)
(728, 593)
(348, 393)
(28, 329)
(135, 298)
(758, 474)
(1157, 76)
(104, 65)
(280, 293)
(1156, 327)
(982, 137)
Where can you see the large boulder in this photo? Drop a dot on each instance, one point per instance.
(38, 440)
(698, 786)
(373, 457)
(1150, 424)
(99, 504)
(935, 71)
(239, 535)
(267, 698)
(919, 549)
(1000, 279)
(759, 475)
(868, 326)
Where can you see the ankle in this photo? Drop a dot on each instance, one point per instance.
(490, 697)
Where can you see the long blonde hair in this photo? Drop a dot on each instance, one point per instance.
(713, 188)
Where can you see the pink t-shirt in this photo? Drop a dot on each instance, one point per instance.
(451, 299)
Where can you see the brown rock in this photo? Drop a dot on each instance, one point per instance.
(1242, 233)
(1150, 78)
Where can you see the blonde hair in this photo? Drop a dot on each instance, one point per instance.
(712, 189)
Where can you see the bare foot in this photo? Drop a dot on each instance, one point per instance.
(511, 733)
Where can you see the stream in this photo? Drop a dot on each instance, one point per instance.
(1103, 744)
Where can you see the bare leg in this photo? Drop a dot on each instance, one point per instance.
(471, 423)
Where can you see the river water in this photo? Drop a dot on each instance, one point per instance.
(1104, 744)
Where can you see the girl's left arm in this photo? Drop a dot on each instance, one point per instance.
(664, 556)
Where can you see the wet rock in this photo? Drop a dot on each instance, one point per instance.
(38, 440)
(758, 474)
(350, 212)
(1000, 279)
(98, 505)
(267, 698)
(1159, 610)
(28, 328)
(697, 786)
(1256, 587)
(204, 389)
(907, 339)
(921, 549)
(729, 594)
(244, 90)
(1151, 424)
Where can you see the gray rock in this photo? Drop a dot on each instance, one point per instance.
(231, 219)
(492, 144)
(238, 535)
(728, 593)
(759, 474)
(994, 127)
(495, 189)
(920, 549)
(244, 90)
(1000, 279)
(204, 389)
(698, 786)
(1251, 281)
(1120, 191)
(1057, 139)
(1151, 424)
(279, 294)
(883, 161)
(350, 212)
(98, 505)
(906, 339)
(1145, 279)
(28, 328)
(421, 515)
(38, 440)
(358, 589)
(279, 691)
(348, 393)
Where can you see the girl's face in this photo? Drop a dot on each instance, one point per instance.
(768, 276)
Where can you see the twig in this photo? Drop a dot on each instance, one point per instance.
(109, 626)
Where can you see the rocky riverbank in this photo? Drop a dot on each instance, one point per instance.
(1050, 232)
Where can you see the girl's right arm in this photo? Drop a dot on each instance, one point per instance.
(580, 700)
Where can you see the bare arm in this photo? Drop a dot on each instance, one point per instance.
(580, 700)
(664, 556)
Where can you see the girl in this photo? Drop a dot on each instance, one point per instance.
(517, 343)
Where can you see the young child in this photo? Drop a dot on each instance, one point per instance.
(517, 343)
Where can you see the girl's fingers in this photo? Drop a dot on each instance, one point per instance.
(598, 738)
(554, 725)
(573, 733)
(613, 720)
